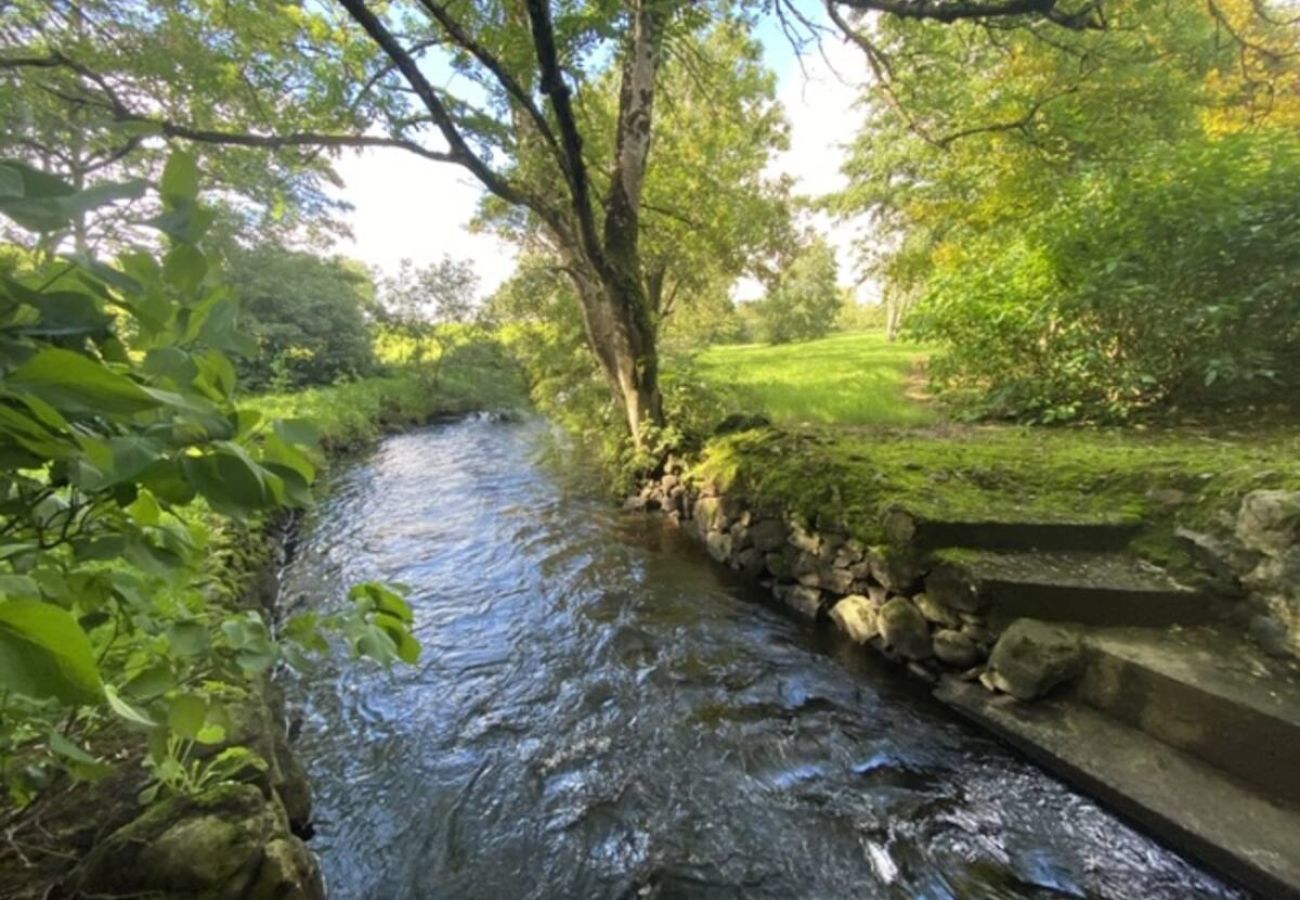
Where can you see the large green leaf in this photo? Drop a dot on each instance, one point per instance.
(47, 203)
(77, 384)
(180, 181)
(44, 653)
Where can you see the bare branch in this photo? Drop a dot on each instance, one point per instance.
(460, 152)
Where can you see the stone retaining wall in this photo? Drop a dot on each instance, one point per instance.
(875, 594)
(1263, 551)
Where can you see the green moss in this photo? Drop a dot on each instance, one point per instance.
(1003, 473)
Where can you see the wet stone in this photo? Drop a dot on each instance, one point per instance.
(904, 629)
(856, 617)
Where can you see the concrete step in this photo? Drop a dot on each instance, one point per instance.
(1067, 586)
(1191, 806)
(1205, 691)
(907, 528)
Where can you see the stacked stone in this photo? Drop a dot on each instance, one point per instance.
(875, 595)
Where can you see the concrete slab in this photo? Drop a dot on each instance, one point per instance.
(1190, 805)
(1206, 691)
(1064, 586)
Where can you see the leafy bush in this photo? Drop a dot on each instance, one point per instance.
(305, 315)
(1174, 285)
(128, 479)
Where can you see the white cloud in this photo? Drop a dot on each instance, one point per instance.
(410, 207)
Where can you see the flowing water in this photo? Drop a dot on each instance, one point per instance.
(602, 712)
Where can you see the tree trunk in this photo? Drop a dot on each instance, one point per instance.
(622, 337)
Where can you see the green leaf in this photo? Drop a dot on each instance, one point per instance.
(127, 711)
(44, 653)
(228, 480)
(185, 267)
(75, 383)
(189, 638)
(186, 715)
(384, 600)
(180, 180)
(47, 203)
(408, 648)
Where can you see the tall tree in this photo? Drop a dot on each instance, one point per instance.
(495, 87)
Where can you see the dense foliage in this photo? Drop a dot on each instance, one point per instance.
(306, 315)
(1179, 286)
(1092, 223)
(128, 477)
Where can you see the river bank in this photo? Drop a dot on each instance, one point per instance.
(243, 835)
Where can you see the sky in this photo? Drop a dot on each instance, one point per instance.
(408, 207)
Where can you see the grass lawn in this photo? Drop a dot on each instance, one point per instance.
(858, 378)
(854, 438)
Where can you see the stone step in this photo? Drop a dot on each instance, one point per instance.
(907, 528)
(1183, 801)
(1067, 586)
(1204, 691)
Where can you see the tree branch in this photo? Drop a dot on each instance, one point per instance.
(1088, 17)
(554, 87)
(467, 42)
(460, 152)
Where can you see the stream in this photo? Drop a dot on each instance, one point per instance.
(601, 711)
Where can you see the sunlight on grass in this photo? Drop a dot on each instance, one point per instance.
(858, 378)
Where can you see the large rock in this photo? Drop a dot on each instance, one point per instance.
(767, 534)
(1269, 521)
(229, 843)
(904, 630)
(1031, 658)
(779, 565)
(749, 561)
(856, 617)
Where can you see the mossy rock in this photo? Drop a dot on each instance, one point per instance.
(228, 843)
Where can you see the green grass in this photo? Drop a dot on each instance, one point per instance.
(479, 376)
(858, 378)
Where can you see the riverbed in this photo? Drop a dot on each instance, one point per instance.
(603, 712)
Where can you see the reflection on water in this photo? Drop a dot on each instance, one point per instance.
(601, 712)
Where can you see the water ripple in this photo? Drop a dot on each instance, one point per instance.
(603, 713)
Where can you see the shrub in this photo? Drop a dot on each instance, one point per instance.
(1174, 285)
